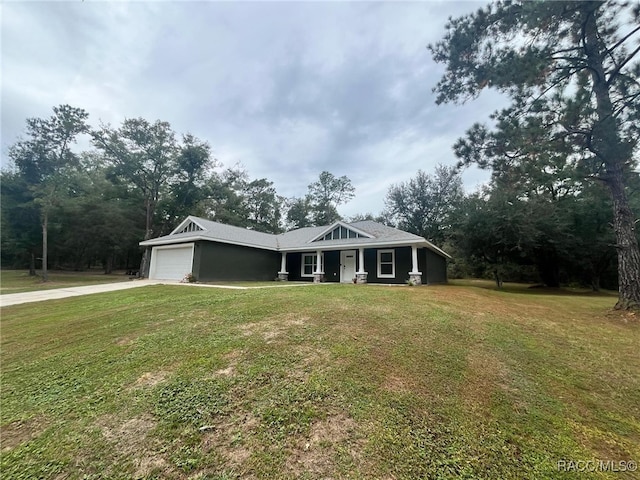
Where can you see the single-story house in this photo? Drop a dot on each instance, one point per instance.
(359, 252)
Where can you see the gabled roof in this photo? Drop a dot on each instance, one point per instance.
(340, 228)
(218, 232)
(372, 234)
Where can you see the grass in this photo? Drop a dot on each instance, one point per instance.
(18, 281)
(340, 381)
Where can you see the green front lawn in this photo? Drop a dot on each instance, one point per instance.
(18, 281)
(337, 381)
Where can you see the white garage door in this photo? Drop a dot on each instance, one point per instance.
(171, 263)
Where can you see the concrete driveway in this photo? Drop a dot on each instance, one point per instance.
(55, 293)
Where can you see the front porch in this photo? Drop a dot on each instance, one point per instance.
(397, 264)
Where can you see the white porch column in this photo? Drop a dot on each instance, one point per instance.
(318, 262)
(283, 263)
(415, 276)
(361, 275)
(361, 260)
(283, 274)
(414, 260)
(318, 275)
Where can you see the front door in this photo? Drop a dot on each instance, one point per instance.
(347, 266)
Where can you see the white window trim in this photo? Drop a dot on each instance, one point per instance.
(393, 264)
(302, 274)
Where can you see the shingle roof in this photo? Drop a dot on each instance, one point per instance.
(299, 239)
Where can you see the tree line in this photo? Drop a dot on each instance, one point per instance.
(561, 205)
(76, 210)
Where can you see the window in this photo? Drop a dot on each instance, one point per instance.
(386, 263)
(309, 264)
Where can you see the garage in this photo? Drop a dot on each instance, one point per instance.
(171, 262)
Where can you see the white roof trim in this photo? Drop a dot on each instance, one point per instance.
(367, 240)
(341, 224)
(166, 241)
(379, 244)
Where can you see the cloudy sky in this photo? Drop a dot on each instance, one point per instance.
(288, 89)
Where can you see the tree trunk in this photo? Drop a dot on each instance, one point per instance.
(608, 146)
(497, 277)
(45, 225)
(146, 256)
(32, 265)
(548, 268)
(108, 264)
(627, 245)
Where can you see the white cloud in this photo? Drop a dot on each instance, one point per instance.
(287, 89)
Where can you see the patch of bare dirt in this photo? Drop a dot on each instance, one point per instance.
(21, 431)
(151, 379)
(397, 384)
(227, 438)
(309, 358)
(129, 438)
(226, 372)
(273, 327)
(232, 358)
(128, 433)
(126, 340)
(315, 454)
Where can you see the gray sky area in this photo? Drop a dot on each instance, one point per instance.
(288, 89)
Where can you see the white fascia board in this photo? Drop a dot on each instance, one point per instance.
(435, 249)
(166, 241)
(381, 244)
(341, 224)
(325, 231)
(302, 248)
(348, 246)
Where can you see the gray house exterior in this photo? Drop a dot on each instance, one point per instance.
(358, 252)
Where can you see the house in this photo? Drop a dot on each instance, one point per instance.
(359, 252)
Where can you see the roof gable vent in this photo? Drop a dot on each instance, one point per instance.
(340, 232)
(190, 227)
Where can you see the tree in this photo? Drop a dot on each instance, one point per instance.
(298, 213)
(263, 206)
(424, 204)
(326, 194)
(144, 155)
(570, 68)
(45, 158)
(98, 221)
(21, 222)
(493, 230)
(188, 190)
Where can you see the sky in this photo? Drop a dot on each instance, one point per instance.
(286, 89)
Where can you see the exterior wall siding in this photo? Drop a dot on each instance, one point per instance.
(294, 264)
(402, 268)
(331, 266)
(220, 261)
(435, 269)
